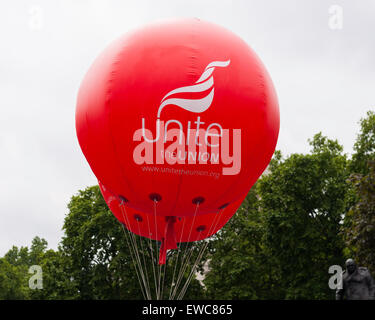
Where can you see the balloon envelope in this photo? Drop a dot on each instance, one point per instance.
(179, 89)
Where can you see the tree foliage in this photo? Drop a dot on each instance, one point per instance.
(241, 266)
(306, 213)
(359, 193)
(12, 284)
(283, 239)
(364, 146)
(14, 270)
(360, 235)
(303, 199)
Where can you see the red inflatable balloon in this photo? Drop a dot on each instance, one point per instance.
(175, 229)
(179, 113)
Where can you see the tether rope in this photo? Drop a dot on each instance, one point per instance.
(131, 253)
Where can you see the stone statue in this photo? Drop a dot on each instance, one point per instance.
(357, 283)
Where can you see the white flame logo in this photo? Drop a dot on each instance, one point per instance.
(205, 82)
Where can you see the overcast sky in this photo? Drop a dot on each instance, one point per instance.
(323, 69)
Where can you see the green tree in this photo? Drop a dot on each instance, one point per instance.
(12, 282)
(37, 250)
(241, 266)
(281, 242)
(15, 280)
(360, 234)
(18, 257)
(99, 259)
(364, 152)
(57, 283)
(303, 201)
(364, 146)
(278, 245)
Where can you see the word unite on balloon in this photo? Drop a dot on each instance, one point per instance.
(213, 143)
